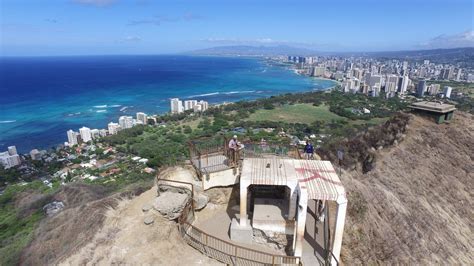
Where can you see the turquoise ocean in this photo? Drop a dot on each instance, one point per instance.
(43, 97)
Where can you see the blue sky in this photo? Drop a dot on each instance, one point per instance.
(68, 27)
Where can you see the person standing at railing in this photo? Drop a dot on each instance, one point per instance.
(233, 150)
(309, 151)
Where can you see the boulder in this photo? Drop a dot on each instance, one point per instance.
(170, 204)
(146, 207)
(149, 220)
(53, 208)
(200, 201)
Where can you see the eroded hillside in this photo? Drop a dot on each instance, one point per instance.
(416, 206)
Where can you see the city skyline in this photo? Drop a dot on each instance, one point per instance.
(78, 27)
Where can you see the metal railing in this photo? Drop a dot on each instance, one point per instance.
(217, 248)
(230, 253)
(260, 150)
(209, 155)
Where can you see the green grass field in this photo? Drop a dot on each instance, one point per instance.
(297, 113)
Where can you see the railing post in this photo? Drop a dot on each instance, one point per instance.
(273, 260)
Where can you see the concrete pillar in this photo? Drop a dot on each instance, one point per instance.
(300, 223)
(293, 204)
(243, 204)
(338, 230)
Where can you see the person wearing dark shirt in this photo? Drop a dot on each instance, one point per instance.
(309, 150)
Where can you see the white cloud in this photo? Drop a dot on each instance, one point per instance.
(262, 41)
(130, 39)
(158, 20)
(95, 2)
(463, 39)
(243, 41)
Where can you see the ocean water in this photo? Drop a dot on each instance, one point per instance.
(43, 97)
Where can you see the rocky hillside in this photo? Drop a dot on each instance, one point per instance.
(416, 205)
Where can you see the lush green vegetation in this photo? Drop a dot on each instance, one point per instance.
(17, 223)
(462, 95)
(296, 113)
(8, 175)
(335, 113)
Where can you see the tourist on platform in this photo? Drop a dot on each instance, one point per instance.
(309, 151)
(233, 150)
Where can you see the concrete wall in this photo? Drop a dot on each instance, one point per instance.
(221, 179)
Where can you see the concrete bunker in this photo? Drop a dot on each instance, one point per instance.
(274, 194)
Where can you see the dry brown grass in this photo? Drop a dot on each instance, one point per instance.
(415, 207)
(65, 233)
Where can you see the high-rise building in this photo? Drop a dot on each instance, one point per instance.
(434, 89)
(102, 132)
(204, 104)
(405, 65)
(391, 84)
(458, 75)
(447, 73)
(95, 134)
(374, 81)
(113, 128)
(71, 137)
(142, 117)
(319, 71)
(35, 154)
(176, 106)
(126, 122)
(201, 106)
(12, 150)
(85, 133)
(8, 160)
(357, 73)
(447, 91)
(403, 84)
(188, 105)
(421, 88)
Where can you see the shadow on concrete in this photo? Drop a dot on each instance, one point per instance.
(314, 234)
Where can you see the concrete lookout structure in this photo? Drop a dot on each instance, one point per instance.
(276, 191)
(440, 112)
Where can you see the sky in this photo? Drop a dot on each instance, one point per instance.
(82, 27)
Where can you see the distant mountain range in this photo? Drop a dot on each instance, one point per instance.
(453, 55)
(248, 50)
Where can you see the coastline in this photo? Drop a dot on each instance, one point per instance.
(109, 111)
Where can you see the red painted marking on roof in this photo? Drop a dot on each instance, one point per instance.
(316, 174)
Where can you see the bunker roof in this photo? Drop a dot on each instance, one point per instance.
(318, 177)
(436, 107)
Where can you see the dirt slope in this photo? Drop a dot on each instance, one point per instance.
(125, 240)
(416, 206)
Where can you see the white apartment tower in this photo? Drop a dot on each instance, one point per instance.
(12, 150)
(71, 137)
(189, 105)
(126, 122)
(113, 128)
(86, 135)
(95, 133)
(8, 160)
(447, 91)
(142, 117)
(176, 106)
